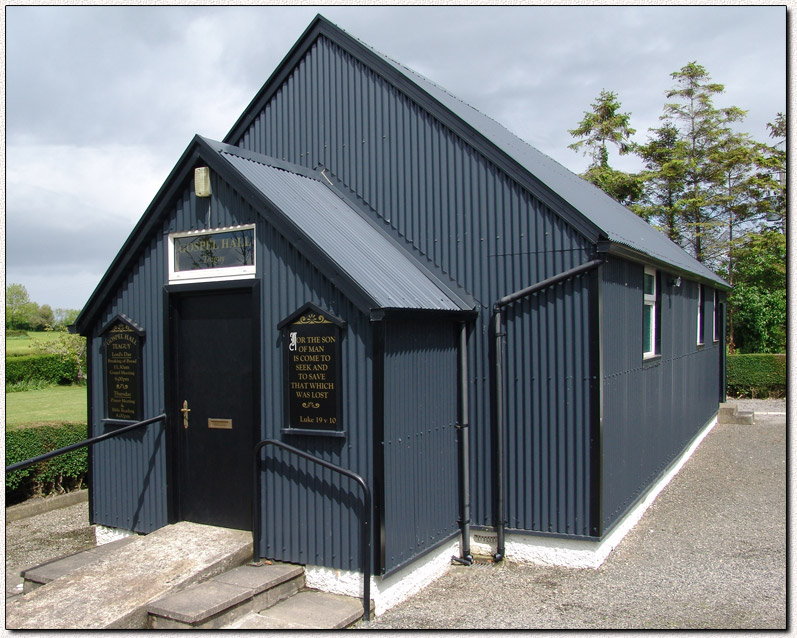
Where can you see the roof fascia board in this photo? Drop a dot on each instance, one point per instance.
(219, 147)
(321, 26)
(624, 252)
(288, 229)
(141, 231)
(399, 314)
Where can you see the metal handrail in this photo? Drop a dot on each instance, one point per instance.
(365, 538)
(76, 446)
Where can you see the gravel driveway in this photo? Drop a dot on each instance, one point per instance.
(709, 553)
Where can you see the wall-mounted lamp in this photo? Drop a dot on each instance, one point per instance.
(675, 282)
(202, 181)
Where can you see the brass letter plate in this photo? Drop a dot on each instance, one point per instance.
(220, 424)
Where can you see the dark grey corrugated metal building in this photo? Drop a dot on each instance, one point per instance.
(355, 189)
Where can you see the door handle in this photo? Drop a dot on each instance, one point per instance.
(185, 410)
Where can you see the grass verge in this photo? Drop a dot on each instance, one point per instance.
(18, 345)
(56, 403)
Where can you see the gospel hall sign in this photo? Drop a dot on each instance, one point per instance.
(311, 338)
(122, 345)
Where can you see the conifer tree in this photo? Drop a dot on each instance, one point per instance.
(603, 125)
(663, 181)
(703, 128)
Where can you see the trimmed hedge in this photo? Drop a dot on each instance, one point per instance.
(58, 474)
(756, 375)
(49, 368)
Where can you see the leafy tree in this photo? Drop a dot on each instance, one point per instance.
(42, 318)
(19, 307)
(599, 127)
(758, 299)
(69, 347)
(65, 317)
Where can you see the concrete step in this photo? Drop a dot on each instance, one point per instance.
(730, 414)
(227, 597)
(47, 572)
(306, 610)
(112, 590)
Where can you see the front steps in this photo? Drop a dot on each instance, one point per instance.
(264, 596)
(111, 589)
(182, 576)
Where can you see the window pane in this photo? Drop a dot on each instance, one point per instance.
(647, 328)
(226, 249)
(650, 284)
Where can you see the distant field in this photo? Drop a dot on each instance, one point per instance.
(55, 404)
(21, 345)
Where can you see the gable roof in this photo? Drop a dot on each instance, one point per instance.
(387, 276)
(368, 265)
(584, 206)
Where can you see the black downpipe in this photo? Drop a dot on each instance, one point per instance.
(465, 558)
(499, 433)
(499, 334)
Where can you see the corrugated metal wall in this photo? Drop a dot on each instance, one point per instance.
(135, 464)
(297, 526)
(301, 523)
(420, 440)
(651, 409)
(464, 214)
(547, 393)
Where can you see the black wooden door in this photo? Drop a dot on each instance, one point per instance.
(215, 378)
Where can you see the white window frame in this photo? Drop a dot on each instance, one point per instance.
(650, 300)
(716, 327)
(211, 274)
(700, 299)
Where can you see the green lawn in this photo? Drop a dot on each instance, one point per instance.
(55, 404)
(21, 345)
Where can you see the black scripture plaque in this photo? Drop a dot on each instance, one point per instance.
(122, 345)
(312, 346)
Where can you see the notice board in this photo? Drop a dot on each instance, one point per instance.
(122, 345)
(311, 339)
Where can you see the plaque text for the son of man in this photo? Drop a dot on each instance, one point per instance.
(313, 362)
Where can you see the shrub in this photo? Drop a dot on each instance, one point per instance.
(57, 474)
(26, 385)
(756, 375)
(49, 368)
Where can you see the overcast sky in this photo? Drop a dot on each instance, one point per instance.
(102, 101)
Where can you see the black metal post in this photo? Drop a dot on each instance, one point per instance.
(365, 538)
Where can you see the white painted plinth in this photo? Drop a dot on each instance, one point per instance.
(390, 591)
(103, 535)
(545, 550)
(520, 548)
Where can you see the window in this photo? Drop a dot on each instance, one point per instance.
(649, 327)
(716, 330)
(207, 255)
(700, 313)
